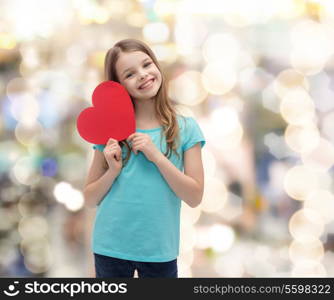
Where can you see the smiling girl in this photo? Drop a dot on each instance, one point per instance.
(138, 195)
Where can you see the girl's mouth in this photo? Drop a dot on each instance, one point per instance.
(148, 85)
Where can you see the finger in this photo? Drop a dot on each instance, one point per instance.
(136, 147)
(130, 137)
(112, 149)
(109, 148)
(111, 141)
(119, 154)
(116, 153)
(138, 139)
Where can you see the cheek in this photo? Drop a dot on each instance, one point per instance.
(129, 85)
(159, 75)
(159, 79)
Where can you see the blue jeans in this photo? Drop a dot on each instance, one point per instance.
(106, 267)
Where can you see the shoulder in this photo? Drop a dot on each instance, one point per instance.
(185, 121)
(190, 132)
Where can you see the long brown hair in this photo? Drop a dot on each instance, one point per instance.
(164, 109)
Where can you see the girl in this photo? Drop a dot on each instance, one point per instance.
(138, 196)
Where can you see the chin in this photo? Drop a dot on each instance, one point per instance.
(148, 95)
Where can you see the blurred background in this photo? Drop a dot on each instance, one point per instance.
(257, 76)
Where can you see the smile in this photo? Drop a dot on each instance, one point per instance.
(148, 85)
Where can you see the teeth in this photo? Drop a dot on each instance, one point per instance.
(147, 84)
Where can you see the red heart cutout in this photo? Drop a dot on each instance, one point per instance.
(111, 116)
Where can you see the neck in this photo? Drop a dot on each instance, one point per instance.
(144, 110)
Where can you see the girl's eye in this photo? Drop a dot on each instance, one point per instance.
(146, 65)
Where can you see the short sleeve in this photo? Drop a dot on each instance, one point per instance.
(99, 147)
(192, 134)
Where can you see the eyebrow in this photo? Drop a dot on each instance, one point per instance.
(132, 67)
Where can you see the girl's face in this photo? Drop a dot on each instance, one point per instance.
(137, 72)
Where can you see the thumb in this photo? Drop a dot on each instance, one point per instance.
(110, 141)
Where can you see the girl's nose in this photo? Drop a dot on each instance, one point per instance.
(143, 75)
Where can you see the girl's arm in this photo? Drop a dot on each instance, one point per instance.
(188, 186)
(99, 181)
(95, 191)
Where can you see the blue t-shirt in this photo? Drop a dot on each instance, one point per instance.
(139, 217)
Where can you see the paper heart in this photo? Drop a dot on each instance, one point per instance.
(111, 116)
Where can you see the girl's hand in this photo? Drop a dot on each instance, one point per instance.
(143, 142)
(113, 154)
